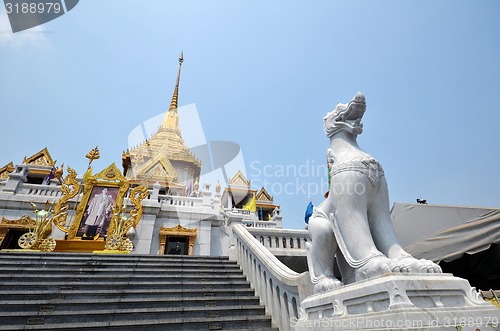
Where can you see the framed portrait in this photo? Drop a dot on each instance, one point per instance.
(101, 194)
(98, 212)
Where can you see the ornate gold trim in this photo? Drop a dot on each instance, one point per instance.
(70, 188)
(137, 194)
(25, 222)
(109, 177)
(38, 236)
(41, 158)
(177, 231)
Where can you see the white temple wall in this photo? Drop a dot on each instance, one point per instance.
(144, 237)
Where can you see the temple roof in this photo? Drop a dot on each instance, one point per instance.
(42, 158)
(6, 170)
(263, 196)
(153, 159)
(265, 200)
(239, 180)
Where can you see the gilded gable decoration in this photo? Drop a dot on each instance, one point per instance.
(111, 173)
(239, 180)
(264, 196)
(157, 169)
(42, 158)
(6, 170)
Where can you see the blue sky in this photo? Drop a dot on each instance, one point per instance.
(263, 74)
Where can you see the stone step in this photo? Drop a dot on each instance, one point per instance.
(124, 285)
(103, 271)
(126, 314)
(153, 294)
(120, 264)
(119, 258)
(131, 265)
(59, 302)
(96, 277)
(244, 323)
(67, 291)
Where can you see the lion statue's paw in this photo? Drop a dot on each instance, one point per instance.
(419, 265)
(376, 266)
(327, 284)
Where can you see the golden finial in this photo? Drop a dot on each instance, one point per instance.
(175, 96)
(171, 120)
(217, 188)
(93, 155)
(59, 172)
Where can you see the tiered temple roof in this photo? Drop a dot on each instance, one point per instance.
(164, 157)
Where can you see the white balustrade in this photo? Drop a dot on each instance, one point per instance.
(281, 240)
(275, 283)
(39, 190)
(180, 201)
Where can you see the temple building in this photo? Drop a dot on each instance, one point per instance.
(164, 158)
(238, 267)
(180, 215)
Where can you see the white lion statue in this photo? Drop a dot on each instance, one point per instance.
(354, 222)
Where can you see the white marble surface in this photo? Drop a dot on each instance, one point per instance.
(354, 221)
(399, 302)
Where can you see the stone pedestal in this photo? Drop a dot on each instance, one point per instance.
(400, 302)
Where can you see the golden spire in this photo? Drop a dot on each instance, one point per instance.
(175, 96)
(171, 120)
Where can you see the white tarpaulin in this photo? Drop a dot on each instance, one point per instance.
(445, 233)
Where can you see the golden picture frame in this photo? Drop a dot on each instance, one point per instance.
(102, 193)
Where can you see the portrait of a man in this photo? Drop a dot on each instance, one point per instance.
(98, 212)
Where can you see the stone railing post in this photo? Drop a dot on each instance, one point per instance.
(18, 176)
(156, 191)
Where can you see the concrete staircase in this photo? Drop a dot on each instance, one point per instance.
(64, 291)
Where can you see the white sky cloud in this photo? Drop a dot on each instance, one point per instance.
(31, 37)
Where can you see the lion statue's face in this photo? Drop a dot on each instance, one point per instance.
(346, 117)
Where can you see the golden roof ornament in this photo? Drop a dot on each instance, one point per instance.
(93, 155)
(59, 172)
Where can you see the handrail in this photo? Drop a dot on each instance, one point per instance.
(280, 289)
